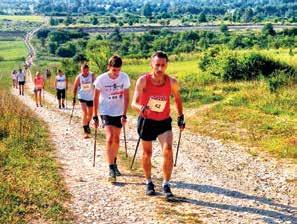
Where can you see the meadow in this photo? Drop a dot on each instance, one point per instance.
(31, 188)
(27, 18)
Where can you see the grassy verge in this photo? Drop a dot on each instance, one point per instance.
(31, 187)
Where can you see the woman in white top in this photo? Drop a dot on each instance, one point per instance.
(21, 77)
(83, 87)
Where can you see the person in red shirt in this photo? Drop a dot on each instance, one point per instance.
(38, 87)
(152, 100)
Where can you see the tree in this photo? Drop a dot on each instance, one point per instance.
(147, 10)
(202, 18)
(52, 47)
(268, 30)
(94, 20)
(52, 21)
(98, 53)
(224, 29)
(68, 20)
(115, 36)
(66, 51)
(80, 58)
(43, 33)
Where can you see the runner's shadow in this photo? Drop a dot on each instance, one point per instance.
(122, 184)
(230, 193)
(268, 213)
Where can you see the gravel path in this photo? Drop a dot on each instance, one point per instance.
(213, 182)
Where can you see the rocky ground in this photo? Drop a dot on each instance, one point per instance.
(213, 182)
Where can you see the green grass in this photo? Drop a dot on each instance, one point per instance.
(31, 188)
(13, 50)
(30, 18)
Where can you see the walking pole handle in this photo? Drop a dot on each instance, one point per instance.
(141, 130)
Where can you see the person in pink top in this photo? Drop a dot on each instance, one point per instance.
(152, 100)
(38, 87)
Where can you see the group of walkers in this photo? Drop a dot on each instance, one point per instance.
(61, 85)
(105, 99)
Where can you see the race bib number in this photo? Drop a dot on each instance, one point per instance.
(156, 105)
(86, 86)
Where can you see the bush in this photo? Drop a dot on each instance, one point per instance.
(231, 66)
(68, 51)
(277, 80)
(2, 58)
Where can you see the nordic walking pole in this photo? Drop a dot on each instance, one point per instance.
(124, 132)
(135, 153)
(177, 147)
(71, 113)
(95, 141)
(141, 130)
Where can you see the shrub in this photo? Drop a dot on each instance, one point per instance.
(232, 66)
(277, 80)
(68, 50)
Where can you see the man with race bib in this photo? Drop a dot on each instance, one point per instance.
(83, 87)
(152, 100)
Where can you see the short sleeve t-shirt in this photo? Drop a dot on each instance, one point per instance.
(111, 100)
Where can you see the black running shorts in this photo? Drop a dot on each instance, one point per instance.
(22, 83)
(114, 121)
(37, 90)
(88, 102)
(149, 130)
(61, 94)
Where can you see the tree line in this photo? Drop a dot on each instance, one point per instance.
(65, 43)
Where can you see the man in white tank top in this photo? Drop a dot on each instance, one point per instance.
(111, 99)
(83, 85)
(21, 77)
(61, 85)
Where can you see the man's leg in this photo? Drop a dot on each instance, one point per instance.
(59, 98)
(147, 166)
(146, 158)
(116, 146)
(112, 142)
(166, 143)
(111, 149)
(63, 95)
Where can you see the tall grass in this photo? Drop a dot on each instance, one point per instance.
(31, 188)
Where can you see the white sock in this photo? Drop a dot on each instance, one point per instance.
(147, 181)
(165, 183)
